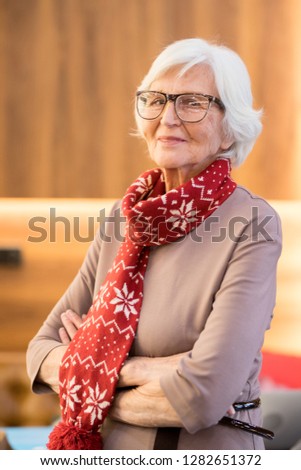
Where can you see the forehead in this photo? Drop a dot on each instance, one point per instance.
(198, 79)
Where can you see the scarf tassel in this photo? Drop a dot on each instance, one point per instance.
(64, 437)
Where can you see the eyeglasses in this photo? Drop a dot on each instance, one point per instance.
(189, 107)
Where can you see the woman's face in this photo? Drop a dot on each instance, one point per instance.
(187, 147)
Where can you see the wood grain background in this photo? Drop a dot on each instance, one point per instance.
(68, 74)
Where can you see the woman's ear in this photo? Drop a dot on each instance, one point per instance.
(227, 141)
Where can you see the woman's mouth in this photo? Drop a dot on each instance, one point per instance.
(170, 140)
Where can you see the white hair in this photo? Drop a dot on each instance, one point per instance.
(242, 122)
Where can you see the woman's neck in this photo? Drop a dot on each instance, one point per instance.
(174, 177)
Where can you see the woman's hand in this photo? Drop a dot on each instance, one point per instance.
(141, 370)
(147, 406)
(49, 370)
(72, 322)
(144, 406)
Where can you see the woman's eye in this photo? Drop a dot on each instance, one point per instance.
(157, 102)
(194, 104)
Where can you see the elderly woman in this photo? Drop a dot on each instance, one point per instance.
(157, 342)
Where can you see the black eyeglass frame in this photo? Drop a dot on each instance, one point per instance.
(174, 97)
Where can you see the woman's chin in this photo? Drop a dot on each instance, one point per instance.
(170, 160)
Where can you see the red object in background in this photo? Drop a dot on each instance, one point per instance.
(280, 371)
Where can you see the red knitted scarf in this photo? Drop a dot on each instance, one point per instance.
(90, 367)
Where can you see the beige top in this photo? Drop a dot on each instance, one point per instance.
(211, 294)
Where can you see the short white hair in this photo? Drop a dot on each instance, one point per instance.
(242, 122)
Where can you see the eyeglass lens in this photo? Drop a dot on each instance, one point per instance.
(188, 107)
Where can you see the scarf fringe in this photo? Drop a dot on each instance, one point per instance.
(64, 437)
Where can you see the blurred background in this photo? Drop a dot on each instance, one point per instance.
(68, 74)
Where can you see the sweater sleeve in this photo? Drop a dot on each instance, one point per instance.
(78, 297)
(212, 376)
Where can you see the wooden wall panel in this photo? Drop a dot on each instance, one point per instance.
(68, 73)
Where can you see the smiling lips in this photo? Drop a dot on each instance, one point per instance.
(170, 140)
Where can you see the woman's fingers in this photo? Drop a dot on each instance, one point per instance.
(71, 323)
(64, 337)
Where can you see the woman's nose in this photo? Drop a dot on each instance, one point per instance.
(169, 116)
